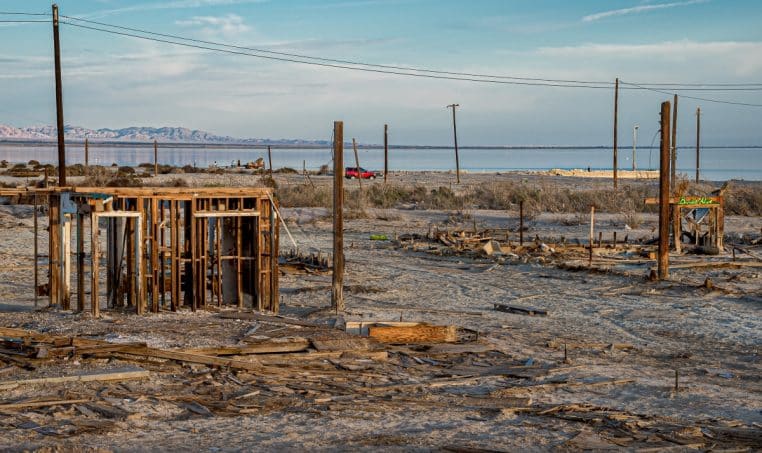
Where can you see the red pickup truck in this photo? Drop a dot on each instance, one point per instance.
(359, 172)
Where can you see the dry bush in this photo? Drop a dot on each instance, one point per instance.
(633, 219)
(268, 181)
(305, 196)
(746, 201)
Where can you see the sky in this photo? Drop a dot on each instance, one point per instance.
(117, 81)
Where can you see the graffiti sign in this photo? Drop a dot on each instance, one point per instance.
(697, 200)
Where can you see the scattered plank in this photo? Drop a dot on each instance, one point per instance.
(35, 404)
(193, 358)
(342, 344)
(521, 310)
(117, 375)
(268, 318)
(416, 334)
(511, 391)
(278, 345)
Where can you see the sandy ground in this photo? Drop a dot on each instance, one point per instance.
(711, 337)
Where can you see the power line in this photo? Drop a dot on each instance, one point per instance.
(19, 13)
(291, 60)
(23, 21)
(716, 101)
(693, 86)
(331, 60)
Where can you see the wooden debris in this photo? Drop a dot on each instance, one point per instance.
(116, 375)
(416, 334)
(521, 310)
(343, 344)
(279, 345)
(36, 404)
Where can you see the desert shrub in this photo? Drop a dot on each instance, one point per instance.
(443, 198)
(746, 201)
(33, 163)
(19, 167)
(324, 170)
(268, 181)
(176, 182)
(75, 170)
(125, 180)
(145, 165)
(191, 169)
(286, 170)
(4, 164)
(125, 170)
(305, 196)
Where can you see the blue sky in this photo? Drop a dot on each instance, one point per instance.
(114, 81)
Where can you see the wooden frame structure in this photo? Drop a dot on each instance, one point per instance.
(165, 247)
(715, 224)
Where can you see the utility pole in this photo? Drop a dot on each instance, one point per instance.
(455, 136)
(664, 194)
(59, 101)
(86, 154)
(616, 122)
(155, 158)
(698, 141)
(357, 164)
(634, 145)
(673, 156)
(337, 288)
(270, 159)
(386, 150)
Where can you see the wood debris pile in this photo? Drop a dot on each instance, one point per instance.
(304, 263)
(292, 365)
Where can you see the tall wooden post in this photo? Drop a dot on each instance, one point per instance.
(664, 218)
(337, 289)
(521, 222)
(87, 152)
(357, 163)
(36, 253)
(592, 235)
(386, 151)
(698, 141)
(59, 101)
(455, 137)
(80, 261)
(270, 160)
(95, 252)
(616, 124)
(673, 155)
(155, 158)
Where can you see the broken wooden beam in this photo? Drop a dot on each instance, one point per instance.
(419, 333)
(115, 375)
(521, 310)
(277, 345)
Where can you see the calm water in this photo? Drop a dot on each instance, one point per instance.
(717, 164)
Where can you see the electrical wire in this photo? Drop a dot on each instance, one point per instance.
(694, 86)
(19, 13)
(716, 101)
(380, 71)
(331, 60)
(23, 21)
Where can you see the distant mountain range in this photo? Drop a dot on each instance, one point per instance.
(140, 134)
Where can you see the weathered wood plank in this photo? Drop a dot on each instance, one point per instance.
(422, 333)
(117, 375)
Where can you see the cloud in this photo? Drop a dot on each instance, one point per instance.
(638, 9)
(229, 25)
(176, 4)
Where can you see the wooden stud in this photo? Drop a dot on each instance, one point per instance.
(95, 259)
(80, 262)
(337, 287)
